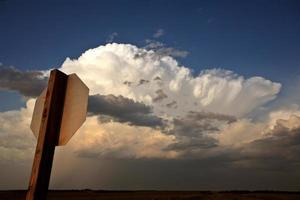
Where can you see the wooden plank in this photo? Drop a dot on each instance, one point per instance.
(48, 136)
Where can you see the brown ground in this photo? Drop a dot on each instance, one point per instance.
(155, 195)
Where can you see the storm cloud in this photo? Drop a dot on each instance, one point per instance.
(27, 83)
(122, 109)
(148, 113)
(196, 130)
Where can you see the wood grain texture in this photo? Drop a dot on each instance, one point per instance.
(48, 136)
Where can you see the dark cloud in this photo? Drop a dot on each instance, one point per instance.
(188, 144)
(27, 83)
(172, 104)
(160, 95)
(122, 109)
(140, 54)
(277, 153)
(170, 51)
(128, 83)
(110, 107)
(270, 163)
(284, 127)
(194, 131)
(143, 81)
(281, 145)
(210, 115)
(157, 78)
(274, 149)
(199, 123)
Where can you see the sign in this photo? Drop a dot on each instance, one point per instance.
(74, 113)
(58, 113)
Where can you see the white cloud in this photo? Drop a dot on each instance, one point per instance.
(117, 140)
(240, 132)
(141, 75)
(105, 69)
(246, 131)
(16, 139)
(283, 114)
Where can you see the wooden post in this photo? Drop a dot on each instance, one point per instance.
(48, 136)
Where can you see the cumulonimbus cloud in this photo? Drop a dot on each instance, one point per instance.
(137, 87)
(145, 107)
(106, 69)
(160, 82)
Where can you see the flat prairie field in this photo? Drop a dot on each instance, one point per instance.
(154, 195)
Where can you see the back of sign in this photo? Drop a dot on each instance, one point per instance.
(74, 113)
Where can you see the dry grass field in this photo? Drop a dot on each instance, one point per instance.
(155, 195)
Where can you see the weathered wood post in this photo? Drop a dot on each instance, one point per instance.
(48, 136)
(65, 99)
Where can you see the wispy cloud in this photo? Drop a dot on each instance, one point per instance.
(163, 50)
(160, 32)
(111, 37)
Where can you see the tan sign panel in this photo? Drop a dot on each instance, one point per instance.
(75, 109)
(37, 113)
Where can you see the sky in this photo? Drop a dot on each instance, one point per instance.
(184, 95)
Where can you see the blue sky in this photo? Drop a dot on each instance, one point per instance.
(250, 38)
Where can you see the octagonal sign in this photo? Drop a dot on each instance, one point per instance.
(74, 111)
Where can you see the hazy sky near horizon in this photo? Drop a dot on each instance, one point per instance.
(183, 94)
